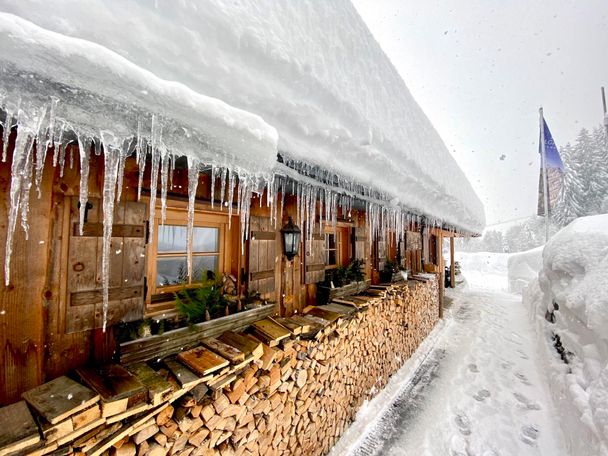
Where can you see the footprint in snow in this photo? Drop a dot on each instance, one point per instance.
(526, 403)
(529, 434)
(473, 368)
(463, 423)
(522, 378)
(482, 395)
(522, 354)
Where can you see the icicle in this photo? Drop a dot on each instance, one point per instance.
(110, 176)
(8, 125)
(57, 145)
(193, 170)
(223, 187)
(171, 171)
(84, 146)
(62, 148)
(163, 186)
(124, 153)
(140, 158)
(71, 158)
(153, 174)
(213, 177)
(231, 183)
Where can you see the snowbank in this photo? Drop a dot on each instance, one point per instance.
(523, 268)
(574, 279)
(311, 70)
(484, 270)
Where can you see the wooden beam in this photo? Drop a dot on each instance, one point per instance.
(452, 265)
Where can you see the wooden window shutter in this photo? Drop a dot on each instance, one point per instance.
(314, 259)
(127, 266)
(262, 255)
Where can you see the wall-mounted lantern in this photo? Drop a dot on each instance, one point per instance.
(291, 239)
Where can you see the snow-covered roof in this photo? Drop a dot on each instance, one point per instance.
(309, 69)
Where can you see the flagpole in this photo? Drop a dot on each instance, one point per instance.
(543, 158)
(604, 105)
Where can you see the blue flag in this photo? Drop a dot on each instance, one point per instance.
(555, 171)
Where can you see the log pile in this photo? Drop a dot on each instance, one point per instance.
(296, 397)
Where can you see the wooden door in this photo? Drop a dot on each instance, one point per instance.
(262, 255)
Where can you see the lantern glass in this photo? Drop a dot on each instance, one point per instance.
(291, 239)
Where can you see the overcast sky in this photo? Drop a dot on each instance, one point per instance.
(481, 69)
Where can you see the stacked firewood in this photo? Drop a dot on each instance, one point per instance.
(301, 400)
(285, 386)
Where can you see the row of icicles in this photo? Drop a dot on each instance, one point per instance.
(42, 131)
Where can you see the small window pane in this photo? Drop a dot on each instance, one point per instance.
(172, 238)
(205, 239)
(204, 267)
(171, 271)
(331, 241)
(331, 257)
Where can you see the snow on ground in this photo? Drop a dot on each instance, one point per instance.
(573, 289)
(476, 388)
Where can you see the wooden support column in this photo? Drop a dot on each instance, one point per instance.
(452, 264)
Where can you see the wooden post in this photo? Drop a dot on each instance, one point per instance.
(452, 264)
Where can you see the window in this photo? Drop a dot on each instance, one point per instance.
(172, 255)
(167, 270)
(331, 250)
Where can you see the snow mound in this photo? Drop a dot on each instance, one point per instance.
(524, 268)
(311, 70)
(573, 287)
(575, 271)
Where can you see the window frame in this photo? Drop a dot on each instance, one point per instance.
(179, 217)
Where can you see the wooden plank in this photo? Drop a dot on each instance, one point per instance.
(60, 398)
(302, 321)
(83, 418)
(18, 430)
(80, 431)
(221, 381)
(229, 352)
(118, 230)
(171, 342)
(243, 343)
(114, 294)
(291, 325)
(315, 267)
(346, 302)
(263, 235)
(104, 445)
(271, 330)
(158, 388)
(184, 376)
(112, 382)
(338, 308)
(321, 313)
(202, 360)
(262, 275)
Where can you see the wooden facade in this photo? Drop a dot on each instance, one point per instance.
(51, 313)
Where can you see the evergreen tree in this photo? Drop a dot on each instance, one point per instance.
(570, 203)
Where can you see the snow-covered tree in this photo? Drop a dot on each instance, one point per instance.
(585, 185)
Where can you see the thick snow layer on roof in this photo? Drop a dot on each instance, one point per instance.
(311, 69)
(101, 93)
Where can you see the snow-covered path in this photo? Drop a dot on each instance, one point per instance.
(479, 390)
